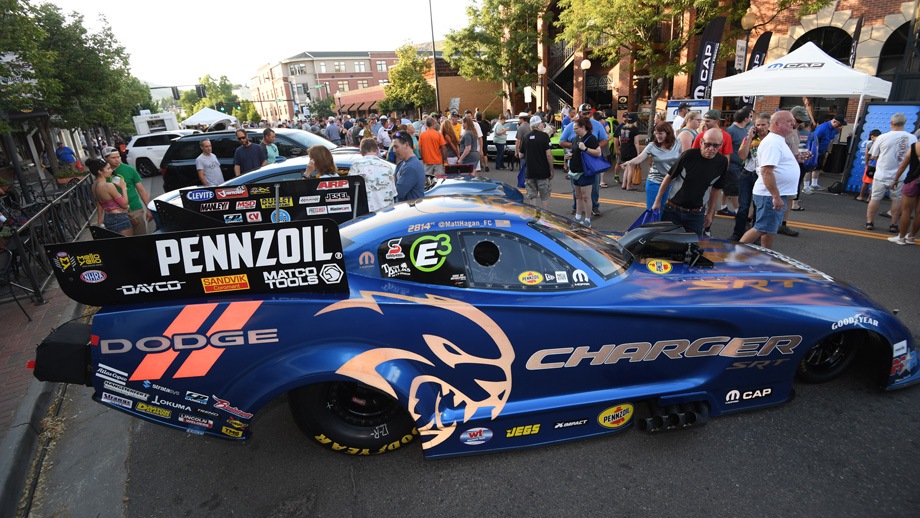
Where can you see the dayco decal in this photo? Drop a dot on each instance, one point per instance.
(115, 387)
(224, 405)
(242, 249)
(332, 185)
(224, 283)
(181, 342)
(616, 416)
(672, 349)
(734, 396)
(195, 420)
(154, 410)
(291, 277)
(134, 289)
(164, 402)
(231, 192)
(428, 253)
(520, 431)
(530, 278)
(214, 206)
(89, 260)
(852, 321)
(569, 424)
(283, 201)
(763, 285)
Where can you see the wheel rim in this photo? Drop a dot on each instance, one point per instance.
(360, 406)
(145, 168)
(827, 355)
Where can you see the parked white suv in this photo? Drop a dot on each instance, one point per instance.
(145, 152)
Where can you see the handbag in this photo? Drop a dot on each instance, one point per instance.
(594, 164)
(649, 216)
(636, 178)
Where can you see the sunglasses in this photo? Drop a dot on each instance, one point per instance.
(242, 138)
(712, 144)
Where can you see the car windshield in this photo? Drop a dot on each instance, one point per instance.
(599, 251)
(511, 126)
(307, 139)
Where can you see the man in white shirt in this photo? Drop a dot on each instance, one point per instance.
(779, 177)
(378, 176)
(682, 110)
(888, 151)
(208, 166)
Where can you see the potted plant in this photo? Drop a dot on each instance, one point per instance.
(68, 174)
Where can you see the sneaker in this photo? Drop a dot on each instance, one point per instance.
(707, 232)
(808, 190)
(726, 212)
(786, 231)
(817, 188)
(596, 213)
(910, 240)
(898, 240)
(587, 222)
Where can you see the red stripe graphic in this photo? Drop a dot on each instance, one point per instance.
(200, 362)
(188, 320)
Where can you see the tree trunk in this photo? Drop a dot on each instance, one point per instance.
(44, 129)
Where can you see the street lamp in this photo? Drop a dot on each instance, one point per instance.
(585, 65)
(338, 97)
(541, 73)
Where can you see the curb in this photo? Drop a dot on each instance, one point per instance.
(21, 442)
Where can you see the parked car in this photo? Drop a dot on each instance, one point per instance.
(512, 127)
(178, 165)
(145, 152)
(472, 323)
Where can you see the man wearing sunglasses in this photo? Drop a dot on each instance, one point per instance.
(697, 178)
(247, 157)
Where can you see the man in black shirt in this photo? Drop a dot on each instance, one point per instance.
(697, 177)
(539, 159)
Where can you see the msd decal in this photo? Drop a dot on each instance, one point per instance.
(246, 205)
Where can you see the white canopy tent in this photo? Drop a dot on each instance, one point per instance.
(208, 117)
(806, 71)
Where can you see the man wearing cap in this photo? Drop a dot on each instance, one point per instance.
(888, 151)
(247, 157)
(539, 161)
(523, 130)
(678, 121)
(137, 195)
(697, 178)
(825, 133)
(779, 175)
(333, 133)
(566, 140)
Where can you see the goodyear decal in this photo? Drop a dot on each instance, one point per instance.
(616, 417)
(659, 266)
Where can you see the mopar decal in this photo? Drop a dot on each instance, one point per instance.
(196, 254)
(428, 253)
(616, 417)
(673, 349)
(733, 396)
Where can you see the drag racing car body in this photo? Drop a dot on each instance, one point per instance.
(473, 323)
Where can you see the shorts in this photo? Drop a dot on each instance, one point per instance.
(434, 169)
(542, 187)
(730, 183)
(879, 189)
(912, 188)
(767, 218)
(116, 221)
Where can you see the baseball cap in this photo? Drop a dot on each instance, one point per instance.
(841, 119)
(585, 107)
(800, 114)
(630, 117)
(523, 115)
(535, 120)
(331, 118)
(681, 106)
(108, 151)
(715, 115)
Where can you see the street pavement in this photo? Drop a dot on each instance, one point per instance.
(88, 447)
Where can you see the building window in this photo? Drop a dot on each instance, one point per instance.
(342, 86)
(322, 67)
(383, 81)
(360, 66)
(300, 89)
(362, 83)
(339, 66)
(293, 70)
(381, 66)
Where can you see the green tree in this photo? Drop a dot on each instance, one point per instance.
(499, 44)
(320, 108)
(609, 27)
(23, 71)
(408, 89)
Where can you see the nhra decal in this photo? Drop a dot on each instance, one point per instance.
(487, 393)
(616, 417)
(181, 265)
(609, 354)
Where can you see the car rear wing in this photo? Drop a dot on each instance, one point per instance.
(289, 257)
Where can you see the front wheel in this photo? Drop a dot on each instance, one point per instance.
(145, 168)
(827, 360)
(351, 418)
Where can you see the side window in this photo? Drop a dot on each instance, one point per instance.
(224, 147)
(186, 150)
(290, 175)
(288, 148)
(143, 141)
(433, 258)
(504, 261)
(161, 140)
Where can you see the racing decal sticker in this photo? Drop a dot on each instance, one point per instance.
(148, 385)
(233, 218)
(437, 418)
(530, 278)
(616, 417)
(224, 283)
(562, 276)
(521, 431)
(366, 260)
(126, 391)
(90, 259)
(764, 285)
(475, 436)
(659, 266)
(117, 400)
(231, 192)
(569, 424)
(269, 203)
(308, 200)
(254, 217)
(232, 432)
(110, 373)
(395, 250)
(428, 253)
(63, 261)
(154, 410)
(580, 278)
(195, 397)
(734, 396)
(195, 420)
(280, 216)
(199, 195)
(854, 320)
(223, 404)
(214, 206)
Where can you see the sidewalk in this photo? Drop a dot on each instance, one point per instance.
(23, 399)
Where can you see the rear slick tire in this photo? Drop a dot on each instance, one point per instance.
(351, 418)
